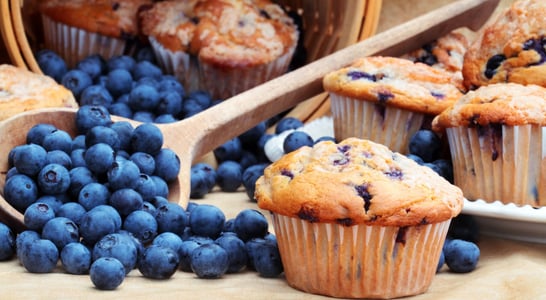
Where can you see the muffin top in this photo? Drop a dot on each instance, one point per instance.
(510, 49)
(500, 103)
(229, 33)
(22, 90)
(396, 82)
(114, 18)
(356, 182)
(447, 53)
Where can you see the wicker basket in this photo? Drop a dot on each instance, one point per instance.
(329, 25)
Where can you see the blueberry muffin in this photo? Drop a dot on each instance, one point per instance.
(388, 99)
(350, 214)
(76, 29)
(447, 53)
(222, 46)
(22, 90)
(510, 49)
(496, 137)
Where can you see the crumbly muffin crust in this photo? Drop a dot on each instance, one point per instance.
(511, 49)
(114, 18)
(501, 103)
(225, 33)
(22, 90)
(356, 182)
(396, 82)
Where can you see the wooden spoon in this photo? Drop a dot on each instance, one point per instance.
(193, 137)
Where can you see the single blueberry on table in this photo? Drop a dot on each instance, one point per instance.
(158, 262)
(296, 140)
(230, 150)
(250, 223)
(202, 180)
(107, 273)
(461, 256)
(229, 176)
(7, 242)
(209, 261)
(76, 258)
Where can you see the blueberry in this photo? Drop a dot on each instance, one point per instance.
(142, 225)
(202, 180)
(161, 187)
(266, 259)
(165, 119)
(250, 223)
(146, 138)
(169, 240)
(250, 137)
(461, 256)
(20, 191)
(58, 140)
(119, 82)
(51, 64)
(146, 187)
(53, 179)
(144, 116)
(118, 246)
(144, 161)
(96, 95)
(493, 63)
(147, 80)
(209, 261)
(7, 242)
(235, 249)
(89, 116)
(169, 83)
(102, 134)
(230, 150)
(425, 144)
(123, 174)
(288, 123)
(59, 157)
(250, 176)
(39, 256)
(190, 107)
(99, 158)
(149, 207)
(186, 249)
(76, 81)
(93, 194)
(441, 261)
(36, 215)
(229, 176)
(445, 168)
(73, 211)
(97, 223)
(143, 97)
(124, 130)
(145, 53)
(120, 62)
(296, 140)
(29, 159)
(126, 201)
(202, 98)
(79, 177)
(36, 133)
(94, 65)
(207, 220)
(146, 69)
(53, 201)
(76, 258)
(158, 262)
(167, 164)
(61, 231)
(248, 159)
(171, 217)
(107, 273)
(121, 109)
(415, 158)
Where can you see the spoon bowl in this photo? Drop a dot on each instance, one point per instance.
(193, 137)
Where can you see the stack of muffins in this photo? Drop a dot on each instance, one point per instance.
(346, 214)
(221, 46)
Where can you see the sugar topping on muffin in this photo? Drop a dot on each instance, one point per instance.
(356, 182)
(22, 90)
(396, 82)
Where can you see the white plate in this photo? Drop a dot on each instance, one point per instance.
(522, 223)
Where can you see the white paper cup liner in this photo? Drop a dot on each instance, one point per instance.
(359, 261)
(74, 44)
(390, 126)
(506, 164)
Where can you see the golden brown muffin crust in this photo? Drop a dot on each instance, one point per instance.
(114, 18)
(501, 103)
(355, 182)
(22, 90)
(396, 82)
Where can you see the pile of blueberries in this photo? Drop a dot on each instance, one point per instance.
(98, 203)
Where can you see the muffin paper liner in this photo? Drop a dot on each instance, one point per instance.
(74, 44)
(359, 261)
(221, 83)
(390, 126)
(505, 163)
